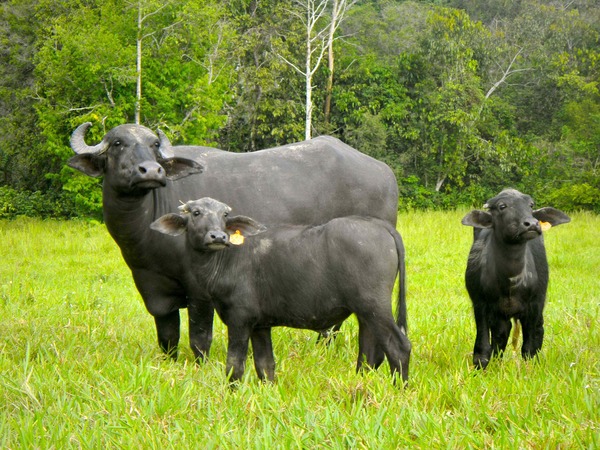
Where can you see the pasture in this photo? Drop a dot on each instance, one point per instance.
(80, 366)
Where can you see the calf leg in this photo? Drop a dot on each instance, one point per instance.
(482, 350)
(500, 332)
(167, 329)
(368, 350)
(397, 349)
(264, 362)
(200, 318)
(533, 335)
(404, 348)
(237, 352)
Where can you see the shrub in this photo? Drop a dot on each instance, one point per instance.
(571, 197)
(14, 203)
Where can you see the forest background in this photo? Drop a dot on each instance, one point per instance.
(460, 97)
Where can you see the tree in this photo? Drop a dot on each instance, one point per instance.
(88, 69)
(142, 17)
(18, 146)
(459, 108)
(338, 11)
(265, 109)
(320, 26)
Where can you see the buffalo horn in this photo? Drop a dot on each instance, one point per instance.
(166, 150)
(78, 141)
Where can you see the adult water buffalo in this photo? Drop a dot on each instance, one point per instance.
(507, 272)
(298, 276)
(145, 177)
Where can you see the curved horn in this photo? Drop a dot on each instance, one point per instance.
(166, 149)
(78, 141)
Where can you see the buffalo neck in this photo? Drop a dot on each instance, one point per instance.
(510, 259)
(209, 268)
(128, 218)
(219, 272)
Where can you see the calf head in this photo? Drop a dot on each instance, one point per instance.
(512, 217)
(131, 158)
(207, 223)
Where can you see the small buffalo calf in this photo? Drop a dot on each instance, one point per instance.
(310, 277)
(507, 272)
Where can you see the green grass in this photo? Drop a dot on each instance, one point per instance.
(80, 367)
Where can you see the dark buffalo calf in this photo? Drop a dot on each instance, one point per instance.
(507, 272)
(309, 277)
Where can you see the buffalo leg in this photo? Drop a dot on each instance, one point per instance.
(500, 333)
(368, 350)
(237, 352)
(167, 329)
(533, 335)
(200, 316)
(395, 345)
(482, 349)
(264, 362)
(398, 351)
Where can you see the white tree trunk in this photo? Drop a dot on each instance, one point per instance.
(318, 40)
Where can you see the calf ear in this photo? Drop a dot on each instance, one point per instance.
(478, 219)
(552, 215)
(88, 163)
(177, 168)
(246, 225)
(171, 224)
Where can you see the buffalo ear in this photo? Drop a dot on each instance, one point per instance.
(171, 224)
(552, 215)
(88, 163)
(478, 219)
(246, 225)
(177, 167)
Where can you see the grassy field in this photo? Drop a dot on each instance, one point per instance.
(80, 367)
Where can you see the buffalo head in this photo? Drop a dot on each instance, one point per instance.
(131, 158)
(207, 223)
(511, 215)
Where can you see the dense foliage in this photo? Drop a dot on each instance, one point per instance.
(460, 97)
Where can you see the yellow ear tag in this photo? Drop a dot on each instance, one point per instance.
(236, 238)
(545, 226)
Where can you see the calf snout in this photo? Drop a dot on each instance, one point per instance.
(532, 224)
(216, 239)
(530, 228)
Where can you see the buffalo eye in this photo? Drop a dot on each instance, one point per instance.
(157, 144)
(501, 206)
(196, 213)
(117, 143)
(225, 214)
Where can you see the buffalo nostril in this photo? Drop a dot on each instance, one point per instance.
(143, 170)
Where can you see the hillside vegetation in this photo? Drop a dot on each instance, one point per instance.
(460, 97)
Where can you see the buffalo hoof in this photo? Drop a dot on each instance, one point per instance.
(480, 361)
